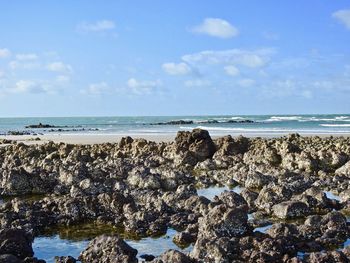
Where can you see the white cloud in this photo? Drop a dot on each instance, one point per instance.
(248, 58)
(23, 65)
(176, 69)
(30, 56)
(216, 27)
(59, 67)
(246, 83)
(343, 16)
(96, 89)
(4, 53)
(231, 70)
(2, 74)
(197, 83)
(28, 86)
(144, 86)
(98, 26)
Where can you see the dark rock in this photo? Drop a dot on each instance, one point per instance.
(108, 249)
(67, 259)
(173, 256)
(290, 209)
(147, 257)
(16, 242)
(8, 258)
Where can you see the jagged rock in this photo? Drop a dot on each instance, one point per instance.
(194, 146)
(290, 209)
(67, 259)
(16, 242)
(173, 256)
(108, 249)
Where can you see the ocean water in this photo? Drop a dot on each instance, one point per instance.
(262, 124)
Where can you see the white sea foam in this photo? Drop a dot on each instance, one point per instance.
(262, 130)
(306, 119)
(335, 125)
(284, 118)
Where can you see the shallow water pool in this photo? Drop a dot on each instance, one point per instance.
(213, 191)
(64, 244)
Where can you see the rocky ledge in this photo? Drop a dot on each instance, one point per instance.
(144, 188)
(186, 122)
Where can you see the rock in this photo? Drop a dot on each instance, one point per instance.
(173, 256)
(108, 249)
(257, 180)
(67, 259)
(326, 257)
(195, 146)
(8, 258)
(231, 146)
(147, 257)
(217, 250)
(179, 122)
(344, 170)
(222, 221)
(16, 242)
(42, 126)
(290, 210)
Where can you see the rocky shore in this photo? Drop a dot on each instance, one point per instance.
(186, 122)
(143, 188)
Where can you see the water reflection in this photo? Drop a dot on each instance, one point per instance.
(330, 195)
(71, 241)
(213, 191)
(263, 229)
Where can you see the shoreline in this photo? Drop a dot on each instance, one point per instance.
(198, 191)
(113, 138)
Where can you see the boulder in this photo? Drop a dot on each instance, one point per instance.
(16, 242)
(290, 209)
(173, 256)
(108, 249)
(195, 146)
(223, 221)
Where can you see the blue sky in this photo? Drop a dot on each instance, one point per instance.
(75, 58)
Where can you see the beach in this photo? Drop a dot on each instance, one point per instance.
(175, 197)
(113, 138)
(91, 130)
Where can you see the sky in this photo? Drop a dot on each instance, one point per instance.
(123, 58)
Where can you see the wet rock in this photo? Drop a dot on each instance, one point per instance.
(218, 250)
(257, 180)
(8, 258)
(222, 221)
(67, 259)
(173, 256)
(16, 242)
(321, 257)
(147, 257)
(108, 249)
(290, 209)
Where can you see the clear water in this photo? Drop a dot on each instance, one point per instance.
(47, 247)
(263, 229)
(213, 191)
(263, 124)
(330, 195)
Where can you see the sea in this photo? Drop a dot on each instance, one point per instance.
(216, 125)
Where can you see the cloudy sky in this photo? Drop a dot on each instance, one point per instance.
(135, 57)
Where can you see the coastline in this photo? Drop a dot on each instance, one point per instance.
(196, 189)
(113, 138)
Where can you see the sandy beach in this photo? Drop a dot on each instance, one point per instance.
(112, 138)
